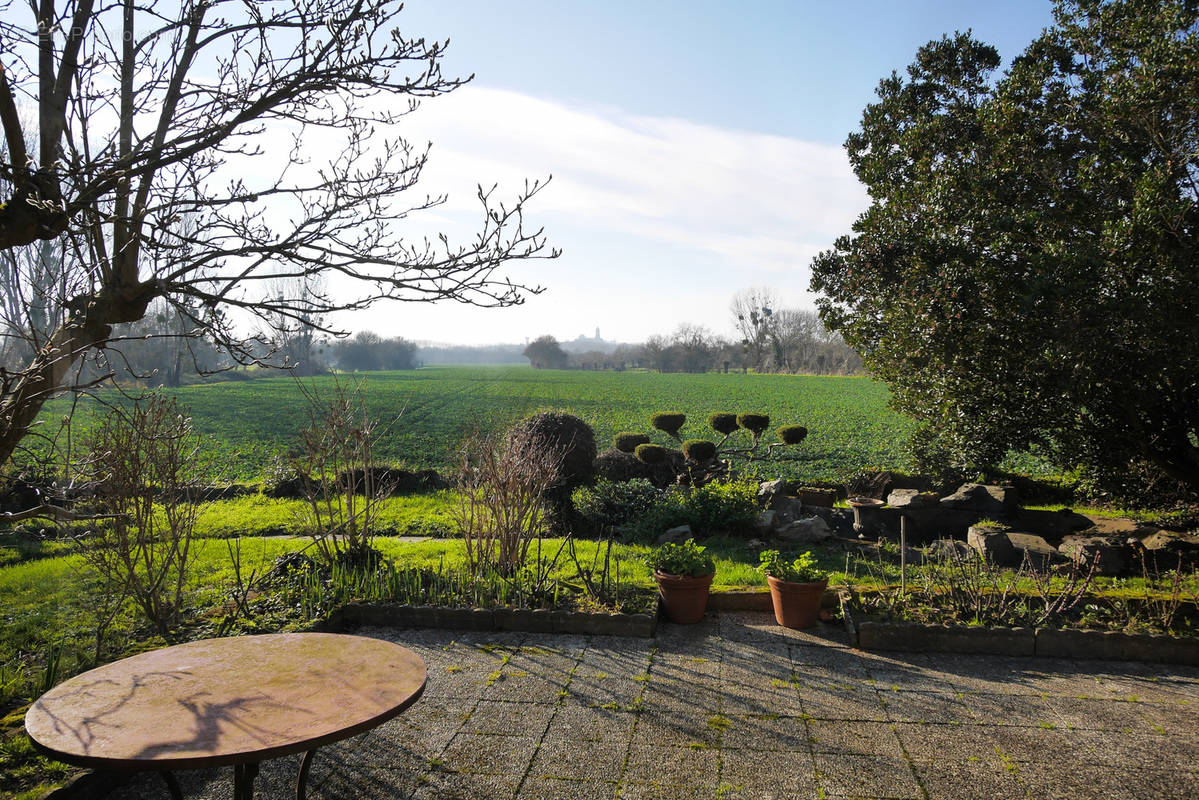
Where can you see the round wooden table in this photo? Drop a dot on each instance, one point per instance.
(219, 702)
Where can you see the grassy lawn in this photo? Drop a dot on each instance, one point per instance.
(427, 412)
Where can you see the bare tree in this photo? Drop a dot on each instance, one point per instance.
(694, 346)
(152, 177)
(753, 312)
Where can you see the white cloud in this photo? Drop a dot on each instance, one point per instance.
(661, 220)
(753, 199)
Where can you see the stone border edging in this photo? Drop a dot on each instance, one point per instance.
(1042, 642)
(486, 619)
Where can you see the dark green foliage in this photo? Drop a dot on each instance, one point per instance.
(1025, 276)
(802, 570)
(609, 504)
(544, 352)
(713, 508)
(725, 507)
(627, 441)
(650, 453)
(723, 423)
(568, 435)
(754, 423)
(668, 422)
(575, 441)
(613, 465)
(699, 449)
(687, 559)
(792, 434)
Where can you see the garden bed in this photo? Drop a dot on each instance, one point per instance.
(873, 633)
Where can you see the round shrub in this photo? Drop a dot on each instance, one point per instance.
(561, 433)
(699, 449)
(754, 423)
(792, 434)
(723, 423)
(555, 432)
(668, 422)
(627, 441)
(650, 453)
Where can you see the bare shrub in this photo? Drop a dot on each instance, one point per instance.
(500, 510)
(146, 468)
(334, 466)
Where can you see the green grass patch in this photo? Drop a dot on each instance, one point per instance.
(427, 411)
(428, 514)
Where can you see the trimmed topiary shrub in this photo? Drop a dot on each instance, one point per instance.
(650, 453)
(699, 449)
(668, 422)
(613, 465)
(792, 434)
(564, 433)
(574, 439)
(723, 423)
(754, 423)
(627, 441)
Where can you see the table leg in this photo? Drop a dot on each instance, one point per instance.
(302, 777)
(172, 785)
(243, 781)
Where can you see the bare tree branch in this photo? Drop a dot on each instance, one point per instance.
(160, 179)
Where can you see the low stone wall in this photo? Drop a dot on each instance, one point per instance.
(1044, 642)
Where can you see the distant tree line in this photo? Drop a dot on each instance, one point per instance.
(769, 339)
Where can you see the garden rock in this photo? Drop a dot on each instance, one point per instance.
(840, 520)
(806, 531)
(1040, 553)
(929, 524)
(788, 509)
(768, 520)
(1112, 552)
(982, 499)
(993, 545)
(773, 493)
(1165, 548)
(677, 535)
(912, 498)
(950, 550)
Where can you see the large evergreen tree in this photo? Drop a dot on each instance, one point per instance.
(1025, 274)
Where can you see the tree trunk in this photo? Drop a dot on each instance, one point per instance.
(45, 375)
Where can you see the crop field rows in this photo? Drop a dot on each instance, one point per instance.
(427, 413)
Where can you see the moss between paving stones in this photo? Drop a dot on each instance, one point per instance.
(1045, 642)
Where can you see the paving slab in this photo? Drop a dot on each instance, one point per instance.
(741, 709)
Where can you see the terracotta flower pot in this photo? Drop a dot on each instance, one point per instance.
(684, 598)
(796, 605)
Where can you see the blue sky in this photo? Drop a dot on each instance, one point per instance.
(695, 146)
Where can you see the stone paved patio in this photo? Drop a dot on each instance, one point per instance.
(739, 708)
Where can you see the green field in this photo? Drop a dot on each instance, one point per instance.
(428, 412)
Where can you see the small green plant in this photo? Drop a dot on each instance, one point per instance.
(802, 570)
(687, 559)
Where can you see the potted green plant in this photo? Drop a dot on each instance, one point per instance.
(684, 573)
(796, 588)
